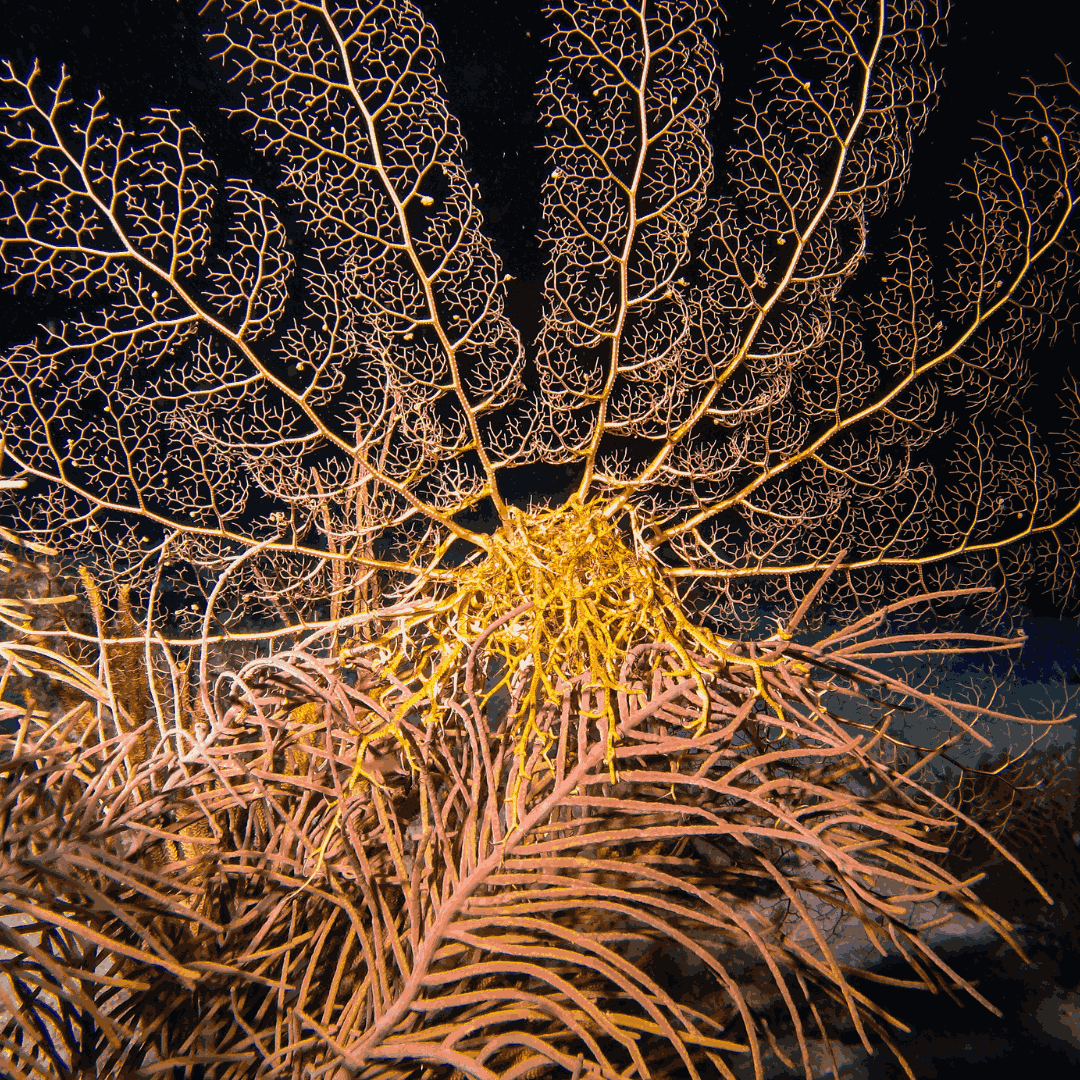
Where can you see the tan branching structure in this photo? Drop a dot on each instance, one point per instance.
(312, 780)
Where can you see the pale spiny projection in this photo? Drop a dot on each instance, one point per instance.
(310, 778)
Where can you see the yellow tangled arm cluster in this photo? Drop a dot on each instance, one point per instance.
(560, 595)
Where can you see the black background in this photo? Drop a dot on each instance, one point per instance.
(146, 53)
